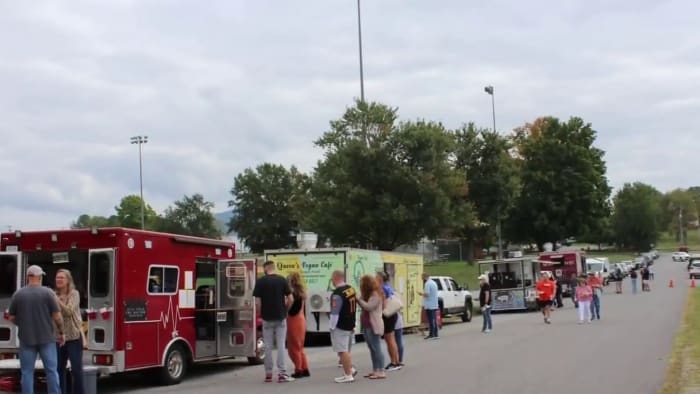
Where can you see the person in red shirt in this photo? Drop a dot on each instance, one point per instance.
(546, 290)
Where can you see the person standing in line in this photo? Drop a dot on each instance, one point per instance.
(558, 294)
(584, 294)
(69, 303)
(34, 309)
(342, 324)
(572, 289)
(371, 301)
(274, 297)
(485, 303)
(398, 333)
(430, 305)
(389, 324)
(597, 285)
(545, 291)
(645, 279)
(633, 279)
(618, 277)
(296, 327)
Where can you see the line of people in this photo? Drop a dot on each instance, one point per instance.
(586, 293)
(281, 302)
(49, 325)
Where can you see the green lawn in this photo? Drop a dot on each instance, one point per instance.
(667, 242)
(683, 373)
(462, 272)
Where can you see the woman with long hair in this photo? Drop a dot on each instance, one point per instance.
(372, 300)
(296, 327)
(69, 303)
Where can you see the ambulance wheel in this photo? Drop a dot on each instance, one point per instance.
(468, 312)
(174, 366)
(259, 357)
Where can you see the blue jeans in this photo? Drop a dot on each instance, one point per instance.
(398, 334)
(374, 343)
(73, 351)
(595, 307)
(49, 357)
(634, 285)
(431, 314)
(488, 324)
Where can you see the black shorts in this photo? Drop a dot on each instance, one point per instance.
(390, 323)
(542, 304)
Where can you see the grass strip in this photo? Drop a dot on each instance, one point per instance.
(682, 375)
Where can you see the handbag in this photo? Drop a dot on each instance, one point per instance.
(78, 324)
(392, 306)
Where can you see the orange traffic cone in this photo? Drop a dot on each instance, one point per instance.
(670, 283)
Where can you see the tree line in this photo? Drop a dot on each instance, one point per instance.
(192, 215)
(384, 182)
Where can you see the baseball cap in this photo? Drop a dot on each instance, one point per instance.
(483, 276)
(35, 270)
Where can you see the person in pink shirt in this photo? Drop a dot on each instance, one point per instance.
(584, 295)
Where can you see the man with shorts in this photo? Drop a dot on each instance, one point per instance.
(342, 324)
(274, 297)
(545, 290)
(34, 309)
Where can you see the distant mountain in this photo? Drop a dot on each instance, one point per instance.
(222, 219)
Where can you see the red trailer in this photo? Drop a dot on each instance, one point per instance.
(564, 265)
(149, 300)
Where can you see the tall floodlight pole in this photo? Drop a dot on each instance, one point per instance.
(489, 90)
(359, 37)
(140, 140)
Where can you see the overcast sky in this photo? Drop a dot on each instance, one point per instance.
(219, 86)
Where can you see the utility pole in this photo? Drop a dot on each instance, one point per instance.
(490, 91)
(140, 140)
(359, 36)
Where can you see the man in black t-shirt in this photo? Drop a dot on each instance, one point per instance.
(342, 324)
(274, 297)
(485, 303)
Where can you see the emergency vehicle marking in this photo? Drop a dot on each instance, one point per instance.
(173, 314)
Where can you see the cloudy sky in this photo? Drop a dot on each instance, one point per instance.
(219, 86)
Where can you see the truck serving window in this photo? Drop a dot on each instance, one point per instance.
(163, 279)
(99, 275)
(8, 276)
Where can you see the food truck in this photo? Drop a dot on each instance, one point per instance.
(148, 299)
(512, 283)
(564, 265)
(317, 265)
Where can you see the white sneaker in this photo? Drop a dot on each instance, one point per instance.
(486, 331)
(344, 379)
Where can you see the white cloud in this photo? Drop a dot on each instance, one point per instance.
(225, 85)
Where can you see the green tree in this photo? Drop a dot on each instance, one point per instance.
(564, 187)
(190, 216)
(87, 221)
(264, 202)
(636, 214)
(382, 183)
(680, 211)
(129, 213)
(491, 172)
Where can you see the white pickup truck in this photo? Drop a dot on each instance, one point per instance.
(453, 299)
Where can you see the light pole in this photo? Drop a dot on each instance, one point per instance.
(359, 37)
(489, 90)
(140, 140)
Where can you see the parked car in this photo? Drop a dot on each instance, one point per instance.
(680, 256)
(453, 299)
(655, 253)
(599, 266)
(694, 269)
(693, 259)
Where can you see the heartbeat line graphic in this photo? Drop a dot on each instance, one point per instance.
(172, 313)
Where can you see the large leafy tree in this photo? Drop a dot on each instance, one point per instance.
(564, 186)
(491, 172)
(636, 216)
(264, 202)
(190, 216)
(383, 183)
(129, 213)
